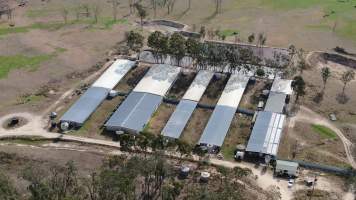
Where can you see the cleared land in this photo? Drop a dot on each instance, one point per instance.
(312, 143)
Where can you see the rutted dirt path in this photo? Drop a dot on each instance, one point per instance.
(309, 116)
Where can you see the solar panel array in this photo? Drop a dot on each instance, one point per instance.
(266, 133)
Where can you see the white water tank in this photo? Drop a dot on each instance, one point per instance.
(64, 126)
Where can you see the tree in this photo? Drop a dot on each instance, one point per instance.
(218, 6)
(177, 47)
(62, 183)
(170, 5)
(159, 43)
(96, 12)
(189, 4)
(325, 75)
(114, 4)
(261, 41)
(7, 189)
(141, 12)
(346, 78)
(193, 48)
(298, 86)
(251, 38)
(202, 32)
(134, 40)
(65, 13)
(184, 148)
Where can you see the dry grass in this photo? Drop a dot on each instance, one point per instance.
(310, 146)
(181, 85)
(252, 94)
(131, 79)
(160, 118)
(239, 133)
(195, 127)
(213, 91)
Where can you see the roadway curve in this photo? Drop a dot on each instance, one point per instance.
(309, 116)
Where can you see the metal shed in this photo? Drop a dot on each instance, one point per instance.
(179, 119)
(80, 111)
(111, 77)
(286, 168)
(187, 105)
(282, 86)
(276, 102)
(158, 79)
(134, 113)
(266, 133)
(219, 123)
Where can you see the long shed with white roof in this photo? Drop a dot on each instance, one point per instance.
(135, 112)
(81, 110)
(224, 112)
(187, 105)
(266, 133)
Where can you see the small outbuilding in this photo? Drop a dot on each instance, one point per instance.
(286, 168)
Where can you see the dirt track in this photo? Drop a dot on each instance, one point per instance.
(309, 116)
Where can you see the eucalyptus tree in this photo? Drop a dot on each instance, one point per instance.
(141, 12)
(134, 40)
(325, 75)
(159, 44)
(177, 47)
(233, 56)
(346, 78)
(298, 86)
(251, 38)
(193, 48)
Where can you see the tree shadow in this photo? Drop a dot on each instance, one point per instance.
(342, 98)
(209, 18)
(318, 98)
(180, 16)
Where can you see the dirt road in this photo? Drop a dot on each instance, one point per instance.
(309, 116)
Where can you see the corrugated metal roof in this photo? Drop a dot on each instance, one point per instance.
(198, 86)
(233, 90)
(219, 122)
(179, 119)
(276, 102)
(218, 126)
(282, 86)
(111, 77)
(158, 79)
(186, 106)
(135, 112)
(266, 133)
(80, 111)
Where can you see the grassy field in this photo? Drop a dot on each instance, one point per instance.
(324, 131)
(30, 63)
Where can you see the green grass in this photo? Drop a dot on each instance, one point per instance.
(10, 30)
(341, 13)
(323, 131)
(30, 63)
(228, 32)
